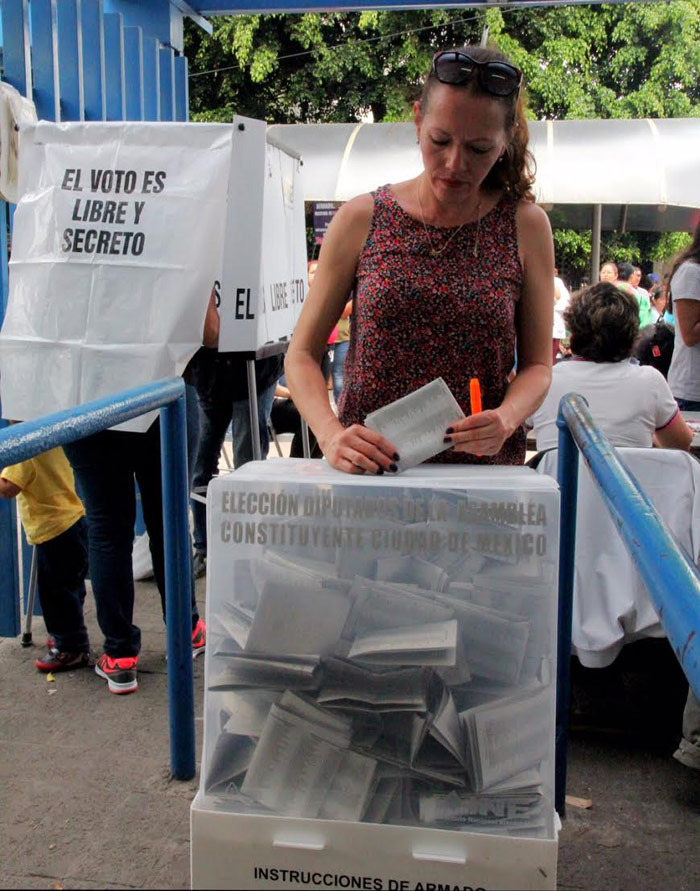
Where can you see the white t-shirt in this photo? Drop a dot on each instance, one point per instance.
(684, 373)
(628, 402)
(562, 292)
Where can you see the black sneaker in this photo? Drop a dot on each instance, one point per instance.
(119, 673)
(199, 565)
(54, 660)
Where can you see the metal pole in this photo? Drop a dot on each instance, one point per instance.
(178, 587)
(567, 477)
(306, 445)
(31, 599)
(253, 409)
(595, 242)
(22, 441)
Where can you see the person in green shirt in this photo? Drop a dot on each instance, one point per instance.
(625, 272)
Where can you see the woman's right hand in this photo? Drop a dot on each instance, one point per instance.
(357, 449)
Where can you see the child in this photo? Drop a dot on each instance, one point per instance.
(54, 522)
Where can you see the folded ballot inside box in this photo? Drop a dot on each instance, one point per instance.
(382, 651)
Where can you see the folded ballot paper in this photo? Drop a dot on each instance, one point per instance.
(416, 423)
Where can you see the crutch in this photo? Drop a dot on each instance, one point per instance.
(31, 598)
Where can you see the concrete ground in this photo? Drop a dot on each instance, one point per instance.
(87, 800)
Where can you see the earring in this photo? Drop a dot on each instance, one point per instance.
(500, 160)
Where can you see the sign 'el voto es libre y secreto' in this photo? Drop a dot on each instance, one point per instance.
(118, 236)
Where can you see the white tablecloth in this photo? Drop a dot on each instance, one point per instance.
(611, 604)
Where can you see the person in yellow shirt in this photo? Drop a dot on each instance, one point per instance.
(53, 518)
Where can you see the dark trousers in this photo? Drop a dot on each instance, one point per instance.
(214, 418)
(61, 569)
(105, 465)
(285, 418)
(688, 404)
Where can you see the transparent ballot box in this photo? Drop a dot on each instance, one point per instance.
(380, 679)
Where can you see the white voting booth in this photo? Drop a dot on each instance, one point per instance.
(380, 680)
(263, 282)
(119, 232)
(118, 235)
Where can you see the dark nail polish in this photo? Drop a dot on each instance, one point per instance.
(393, 468)
(396, 456)
(450, 430)
(380, 471)
(447, 439)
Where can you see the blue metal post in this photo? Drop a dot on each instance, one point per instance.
(70, 60)
(115, 72)
(133, 74)
(182, 95)
(167, 83)
(178, 582)
(567, 477)
(16, 59)
(93, 41)
(151, 79)
(45, 60)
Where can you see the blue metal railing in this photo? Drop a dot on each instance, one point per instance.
(671, 578)
(23, 441)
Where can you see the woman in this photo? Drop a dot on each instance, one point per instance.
(561, 302)
(449, 267)
(684, 373)
(608, 272)
(632, 404)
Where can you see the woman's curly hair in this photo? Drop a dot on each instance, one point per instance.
(603, 322)
(516, 172)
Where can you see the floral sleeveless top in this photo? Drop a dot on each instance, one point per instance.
(417, 317)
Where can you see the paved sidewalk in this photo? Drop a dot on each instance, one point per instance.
(87, 801)
(85, 786)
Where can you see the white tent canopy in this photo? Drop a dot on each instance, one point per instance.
(643, 174)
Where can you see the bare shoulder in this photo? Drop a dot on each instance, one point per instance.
(530, 217)
(350, 226)
(356, 212)
(535, 243)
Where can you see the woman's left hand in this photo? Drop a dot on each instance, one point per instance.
(481, 434)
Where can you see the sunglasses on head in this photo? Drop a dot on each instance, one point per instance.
(497, 78)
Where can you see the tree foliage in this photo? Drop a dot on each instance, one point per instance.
(610, 61)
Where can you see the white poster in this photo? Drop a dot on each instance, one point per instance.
(117, 238)
(264, 268)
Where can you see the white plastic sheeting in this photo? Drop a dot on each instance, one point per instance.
(645, 173)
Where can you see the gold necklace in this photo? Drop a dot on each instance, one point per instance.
(435, 252)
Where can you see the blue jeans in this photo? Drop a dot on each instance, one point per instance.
(62, 564)
(105, 465)
(214, 419)
(688, 404)
(340, 352)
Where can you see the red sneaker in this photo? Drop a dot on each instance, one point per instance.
(199, 638)
(54, 660)
(120, 674)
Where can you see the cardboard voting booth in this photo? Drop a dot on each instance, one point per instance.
(120, 231)
(380, 680)
(264, 281)
(117, 239)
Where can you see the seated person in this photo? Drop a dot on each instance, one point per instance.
(285, 418)
(632, 404)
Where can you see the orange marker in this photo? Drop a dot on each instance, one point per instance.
(475, 398)
(475, 395)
